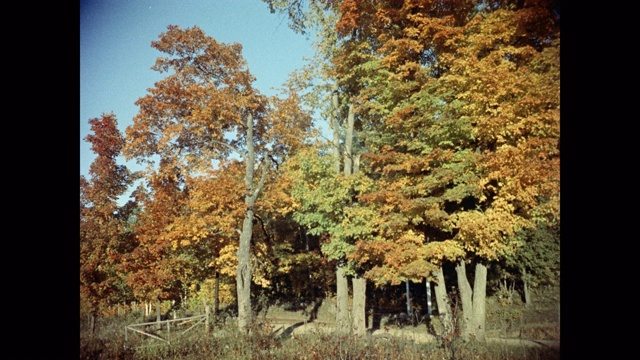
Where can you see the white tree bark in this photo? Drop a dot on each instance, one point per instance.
(466, 295)
(442, 301)
(473, 301)
(359, 305)
(343, 320)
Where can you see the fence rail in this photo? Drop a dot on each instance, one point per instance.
(198, 319)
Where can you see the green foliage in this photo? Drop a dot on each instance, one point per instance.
(537, 257)
(328, 202)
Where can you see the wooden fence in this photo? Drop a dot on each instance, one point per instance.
(193, 320)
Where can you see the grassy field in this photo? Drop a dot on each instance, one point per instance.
(513, 332)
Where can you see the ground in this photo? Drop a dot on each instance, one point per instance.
(507, 322)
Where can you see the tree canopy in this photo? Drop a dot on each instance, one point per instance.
(444, 118)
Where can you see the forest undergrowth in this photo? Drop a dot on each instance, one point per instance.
(506, 319)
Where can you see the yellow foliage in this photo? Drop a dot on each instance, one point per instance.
(227, 262)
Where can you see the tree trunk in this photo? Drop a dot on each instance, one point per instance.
(479, 302)
(359, 284)
(408, 298)
(158, 311)
(215, 294)
(173, 308)
(466, 297)
(527, 294)
(442, 301)
(359, 305)
(473, 301)
(92, 323)
(334, 124)
(342, 285)
(342, 292)
(244, 271)
(243, 275)
(206, 317)
(428, 286)
(348, 142)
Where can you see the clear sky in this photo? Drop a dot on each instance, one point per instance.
(116, 53)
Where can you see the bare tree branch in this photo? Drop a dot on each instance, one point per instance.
(236, 150)
(262, 178)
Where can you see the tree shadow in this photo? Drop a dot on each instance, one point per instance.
(376, 318)
(289, 330)
(313, 313)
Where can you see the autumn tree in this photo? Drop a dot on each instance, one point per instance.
(104, 235)
(458, 110)
(515, 115)
(206, 111)
(213, 210)
(464, 118)
(153, 265)
(332, 95)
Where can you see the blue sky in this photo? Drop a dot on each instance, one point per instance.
(116, 53)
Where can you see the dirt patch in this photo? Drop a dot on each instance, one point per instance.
(513, 325)
(283, 327)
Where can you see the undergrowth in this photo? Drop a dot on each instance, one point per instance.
(223, 341)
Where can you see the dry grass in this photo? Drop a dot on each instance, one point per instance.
(287, 334)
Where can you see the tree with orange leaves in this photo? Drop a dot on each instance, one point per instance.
(206, 111)
(457, 103)
(151, 266)
(467, 148)
(104, 236)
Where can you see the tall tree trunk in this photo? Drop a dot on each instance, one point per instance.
(342, 293)
(466, 297)
(359, 305)
(442, 301)
(351, 166)
(342, 285)
(243, 273)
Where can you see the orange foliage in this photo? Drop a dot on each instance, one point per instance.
(465, 132)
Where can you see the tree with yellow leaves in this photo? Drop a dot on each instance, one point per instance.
(463, 112)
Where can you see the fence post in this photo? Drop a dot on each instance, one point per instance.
(168, 332)
(206, 319)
